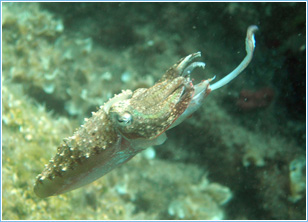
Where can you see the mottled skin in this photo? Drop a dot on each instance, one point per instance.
(129, 123)
(151, 111)
(107, 140)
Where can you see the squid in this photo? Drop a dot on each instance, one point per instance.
(129, 123)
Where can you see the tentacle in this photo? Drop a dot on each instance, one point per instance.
(181, 66)
(191, 67)
(177, 69)
(250, 45)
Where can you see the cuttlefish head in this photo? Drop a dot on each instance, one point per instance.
(150, 112)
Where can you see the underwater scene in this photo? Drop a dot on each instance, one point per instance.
(102, 119)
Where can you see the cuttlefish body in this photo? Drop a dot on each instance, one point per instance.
(128, 123)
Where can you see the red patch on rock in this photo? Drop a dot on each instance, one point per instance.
(252, 100)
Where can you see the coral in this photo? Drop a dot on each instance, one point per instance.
(205, 204)
(52, 66)
(182, 192)
(297, 179)
(29, 133)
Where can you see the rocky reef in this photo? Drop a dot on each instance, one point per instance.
(63, 60)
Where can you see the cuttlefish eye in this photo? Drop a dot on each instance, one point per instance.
(124, 119)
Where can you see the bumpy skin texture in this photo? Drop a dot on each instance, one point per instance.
(160, 106)
(128, 123)
(120, 129)
(75, 156)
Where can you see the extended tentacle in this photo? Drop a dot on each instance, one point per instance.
(250, 45)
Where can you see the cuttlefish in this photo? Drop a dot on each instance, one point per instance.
(129, 123)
